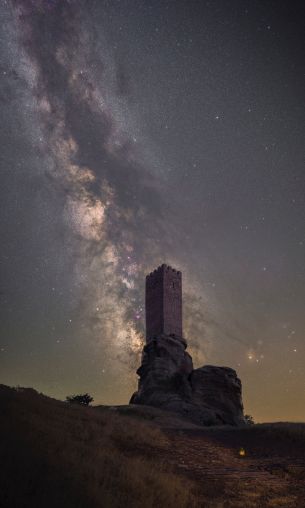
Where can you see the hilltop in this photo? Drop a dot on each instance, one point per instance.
(61, 455)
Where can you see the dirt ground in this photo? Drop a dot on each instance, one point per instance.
(257, 466)
(67, 456)
(242, 468)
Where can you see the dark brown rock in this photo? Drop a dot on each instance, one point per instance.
(219, 390)
(207, 396)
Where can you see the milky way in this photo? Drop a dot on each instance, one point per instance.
(135, 134)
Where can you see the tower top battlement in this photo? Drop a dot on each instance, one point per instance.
(162, 268)
(163, 302)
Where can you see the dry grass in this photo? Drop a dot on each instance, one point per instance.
(59, 455)
(54, 454)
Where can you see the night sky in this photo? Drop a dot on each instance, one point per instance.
(135, 133)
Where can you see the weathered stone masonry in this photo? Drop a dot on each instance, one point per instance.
(209, 395)
(163, 302)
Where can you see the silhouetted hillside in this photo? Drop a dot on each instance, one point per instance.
(54, 454)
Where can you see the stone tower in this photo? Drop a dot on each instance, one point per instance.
(163, 302)
(167, 379)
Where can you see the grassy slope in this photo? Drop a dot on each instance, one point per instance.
(53, 454)
(57, 455)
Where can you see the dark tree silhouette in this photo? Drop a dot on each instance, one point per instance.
(249, 419)
(84, 399)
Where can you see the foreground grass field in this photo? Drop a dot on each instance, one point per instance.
(54, 454)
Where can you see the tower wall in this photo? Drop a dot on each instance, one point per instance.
(172, 301)
(163, 302)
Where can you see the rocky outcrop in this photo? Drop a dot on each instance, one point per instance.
(218, 390)
(207, 396)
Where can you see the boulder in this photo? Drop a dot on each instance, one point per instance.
(207, 396)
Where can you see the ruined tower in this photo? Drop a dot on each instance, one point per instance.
(208, 395)
(163, 302)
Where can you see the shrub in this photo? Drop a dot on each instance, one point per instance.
(249, 419)
(84, 399)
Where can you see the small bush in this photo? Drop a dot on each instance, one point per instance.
(84, 399)
(249, 419)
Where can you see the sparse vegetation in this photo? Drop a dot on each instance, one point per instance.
(57, 455)
(249, 419)
(85, 399)
(60, 455)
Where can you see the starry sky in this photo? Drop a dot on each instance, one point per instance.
(140, 132)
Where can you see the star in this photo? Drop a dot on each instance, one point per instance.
(95, 193)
